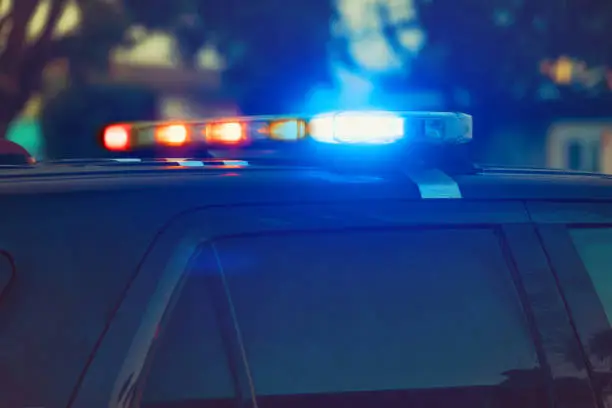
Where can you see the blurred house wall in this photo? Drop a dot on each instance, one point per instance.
(582, 144)
(513, 145)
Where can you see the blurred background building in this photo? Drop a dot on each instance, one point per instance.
(180, 92)
(537, 78)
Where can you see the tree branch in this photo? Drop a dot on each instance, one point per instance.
(5, 19)
(21, 14)
(55, 12)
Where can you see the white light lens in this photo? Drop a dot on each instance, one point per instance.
(172, 135)
(227, 133)
(116, 137)
(357, 128)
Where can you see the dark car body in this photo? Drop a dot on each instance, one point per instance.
(169, 285)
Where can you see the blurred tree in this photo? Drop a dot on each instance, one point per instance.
(178, 17)
(23, 57)
(276, 52)
(72, 119)
(494, 48)
(491, 48)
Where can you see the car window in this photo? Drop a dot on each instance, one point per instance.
(376, 319)
(190, 358)
(594, 246)
(582, 266)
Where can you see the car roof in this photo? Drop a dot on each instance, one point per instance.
(99, 242)
(238, 178)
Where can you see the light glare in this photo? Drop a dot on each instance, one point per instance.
(357, 128)
(225, 133)
(116, 137)
(172, 135)
(287, 130)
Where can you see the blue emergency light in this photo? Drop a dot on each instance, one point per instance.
(354, 128)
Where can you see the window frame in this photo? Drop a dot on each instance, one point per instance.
(178, 243)
(554, 222)
(8, 273)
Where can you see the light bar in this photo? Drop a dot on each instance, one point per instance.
(355, 128)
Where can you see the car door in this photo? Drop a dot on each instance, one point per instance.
(578, 241)
(379, 304)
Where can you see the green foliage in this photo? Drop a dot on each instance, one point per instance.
(263, 33)
(270, 46)
(275, 51)
(491, 47)
(22, 59)
(494, 48)
(103, 27)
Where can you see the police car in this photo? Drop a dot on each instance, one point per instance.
(353, 259)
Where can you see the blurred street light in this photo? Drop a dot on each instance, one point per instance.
(560, 71)
(567, 71)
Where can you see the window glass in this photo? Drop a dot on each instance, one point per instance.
(591, 304)
(377, 319)
(190, 360)
(595, 248)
